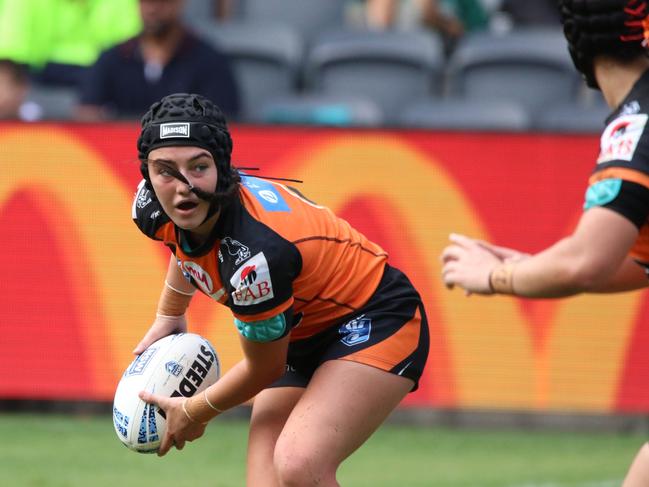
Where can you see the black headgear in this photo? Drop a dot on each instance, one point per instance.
(187, 119)
(614, 28)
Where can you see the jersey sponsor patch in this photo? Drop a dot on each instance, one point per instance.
(621, 137)
(251, 282)
(266, 194)
(200, 276)
(602, 192)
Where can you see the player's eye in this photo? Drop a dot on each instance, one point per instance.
(201, 167)
(162, 169)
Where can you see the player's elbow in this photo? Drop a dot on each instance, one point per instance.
(269, 372)
(588, 275)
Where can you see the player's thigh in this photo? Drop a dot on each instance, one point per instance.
(271, 408)
(270, 411)
(344, 403)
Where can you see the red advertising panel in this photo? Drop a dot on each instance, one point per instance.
(80, 283)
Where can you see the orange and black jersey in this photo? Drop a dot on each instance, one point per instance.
(620, 180)
(272, 251)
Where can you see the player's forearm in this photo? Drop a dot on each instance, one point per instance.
(241, 383)
(176, 293)
(562, 270)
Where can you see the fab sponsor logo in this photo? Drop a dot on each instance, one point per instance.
(252, 283)
(621, 137)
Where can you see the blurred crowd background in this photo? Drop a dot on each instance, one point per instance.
(444, 64)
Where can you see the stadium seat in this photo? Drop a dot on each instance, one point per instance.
(266, 58)
(572, 117)
(56, 103)
(390, 68)
(309, 17)
(463, 114)
(198, 10)
(315, 109)
(531, 66)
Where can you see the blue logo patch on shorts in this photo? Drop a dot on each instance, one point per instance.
(356, 331)
(266, 194)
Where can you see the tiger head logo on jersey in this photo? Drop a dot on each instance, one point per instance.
(235, 249)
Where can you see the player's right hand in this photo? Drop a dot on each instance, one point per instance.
(161, 327)
(180, 427)
(468, 264)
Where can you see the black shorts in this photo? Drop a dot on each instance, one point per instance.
(389, 332)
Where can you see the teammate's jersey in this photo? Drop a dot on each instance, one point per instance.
(271, 250)
(620, 180)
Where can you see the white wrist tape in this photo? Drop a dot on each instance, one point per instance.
(178, 290)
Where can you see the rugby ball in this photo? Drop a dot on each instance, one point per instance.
(177, 365)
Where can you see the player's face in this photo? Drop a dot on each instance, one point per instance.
(184, 208)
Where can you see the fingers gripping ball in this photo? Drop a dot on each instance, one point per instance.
(177, 365)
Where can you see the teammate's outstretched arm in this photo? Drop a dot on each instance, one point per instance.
(592, 259)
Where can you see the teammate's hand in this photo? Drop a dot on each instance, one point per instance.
(180, 428)
(161, 327)
(504, 253)
(468, 263)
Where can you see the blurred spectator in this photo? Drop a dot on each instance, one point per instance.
(58, 39)
(451, 18)
(224, 9)
(531, 12)
(14, 85)
(164, 58)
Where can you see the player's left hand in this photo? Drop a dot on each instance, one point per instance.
(180, 428)
(468, 263)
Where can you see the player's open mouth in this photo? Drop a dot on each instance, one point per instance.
(187, 206)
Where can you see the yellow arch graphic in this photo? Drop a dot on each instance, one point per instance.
(126, 268)
(422, 190)
(98, 204)
(494, 361)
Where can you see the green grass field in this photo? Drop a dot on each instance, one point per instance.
(69, 451)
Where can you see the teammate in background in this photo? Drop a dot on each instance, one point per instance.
(164, 58)
(608, 251)
(332, 336)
